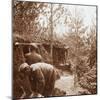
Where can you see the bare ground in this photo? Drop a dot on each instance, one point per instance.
(66, 83)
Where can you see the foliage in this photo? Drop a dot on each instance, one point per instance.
(24, 16)
(82, 52)
(88, 78)
(81, 40)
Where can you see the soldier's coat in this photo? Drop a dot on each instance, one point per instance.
(33, 57)
(43, 78)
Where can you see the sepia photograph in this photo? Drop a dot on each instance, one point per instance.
(54, 49)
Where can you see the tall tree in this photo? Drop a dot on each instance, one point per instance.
(24, 16)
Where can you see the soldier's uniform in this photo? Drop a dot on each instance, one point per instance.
(33, 57)
(42, 78)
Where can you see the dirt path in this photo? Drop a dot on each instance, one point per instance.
(66, 83)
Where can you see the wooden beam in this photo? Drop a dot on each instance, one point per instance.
(51, 35)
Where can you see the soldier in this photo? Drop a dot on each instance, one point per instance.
(23, 81)
(42, 77)
(33, 57)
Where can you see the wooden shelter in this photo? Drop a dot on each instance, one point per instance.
(21, 46)
(59, 53)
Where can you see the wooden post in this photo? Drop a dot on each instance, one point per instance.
(51, 36)
(75, 72)
(22, 54)
(66, 56)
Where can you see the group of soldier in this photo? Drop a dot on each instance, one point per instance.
(37, 78)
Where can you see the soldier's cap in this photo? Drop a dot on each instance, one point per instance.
(34, 45)
(23, 66)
